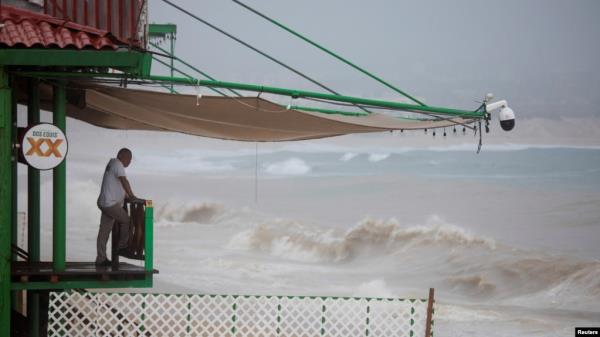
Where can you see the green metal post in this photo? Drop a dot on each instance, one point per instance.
(13, 214)
(33, 210)
(59, 185)
(14, 225)
(149, 238)
(172, 53)
(5, 201)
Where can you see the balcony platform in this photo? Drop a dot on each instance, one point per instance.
(40, 275)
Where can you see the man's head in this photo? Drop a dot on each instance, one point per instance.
(124, 155)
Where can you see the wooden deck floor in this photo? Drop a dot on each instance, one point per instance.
(23, 271)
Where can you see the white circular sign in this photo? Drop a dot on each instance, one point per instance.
(44, 146)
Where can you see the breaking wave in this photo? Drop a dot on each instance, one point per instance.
(297, 242)
(172, 214)
(459, 261)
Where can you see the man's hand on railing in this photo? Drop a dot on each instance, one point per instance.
(135, 200)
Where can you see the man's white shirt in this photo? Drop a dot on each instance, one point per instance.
(112, 191)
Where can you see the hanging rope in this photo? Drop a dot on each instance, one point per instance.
(329, 52)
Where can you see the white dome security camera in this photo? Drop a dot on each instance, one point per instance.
(506, 114)
(507, 118)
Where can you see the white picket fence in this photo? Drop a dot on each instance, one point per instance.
(114, 314)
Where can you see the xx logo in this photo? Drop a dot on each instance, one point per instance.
(36, 147)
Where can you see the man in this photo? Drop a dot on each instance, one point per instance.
(115, 188)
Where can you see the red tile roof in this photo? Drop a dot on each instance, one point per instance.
(26, 29)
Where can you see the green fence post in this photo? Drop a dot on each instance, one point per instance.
(412, 318)
(234, 316)
(5, 202)
(368, 320)
(323, 309)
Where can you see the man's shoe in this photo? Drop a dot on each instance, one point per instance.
(125, 252)
(105, 263)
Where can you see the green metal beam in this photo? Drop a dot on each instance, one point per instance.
(309, 94)
(278, 91)
(75, 58)
(327, 111)
(161, 29)
(145, 283)
(33, 209)
(59, 182)
(5, 201)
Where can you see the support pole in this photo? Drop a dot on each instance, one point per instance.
(59, 185)
(5, 201)
(33, 210)
(429, 322)
(14, 225)
(172, 53)
(13, 215)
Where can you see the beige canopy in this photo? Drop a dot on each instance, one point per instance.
(234, 118)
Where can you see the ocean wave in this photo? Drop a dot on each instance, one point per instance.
(296, 242)
(348, 156)
(377, 157)
(291, 166)
(472, 284)
(561, 282)
(172, 214)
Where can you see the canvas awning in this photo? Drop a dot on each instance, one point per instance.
(234, 118)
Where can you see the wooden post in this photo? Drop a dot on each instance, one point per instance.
(429, 313)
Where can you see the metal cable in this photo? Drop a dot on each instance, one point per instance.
(297, 72)
(187, 75)
(329, 52)
(191, 66)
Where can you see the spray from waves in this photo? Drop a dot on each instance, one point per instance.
(291, 166)
(172, 214)
(374, 288)
(296, 242)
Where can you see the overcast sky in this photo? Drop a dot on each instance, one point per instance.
(543, 55)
